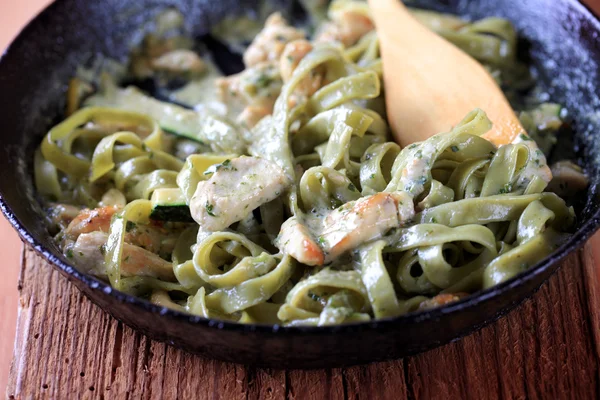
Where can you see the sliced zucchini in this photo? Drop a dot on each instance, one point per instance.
(202, 126)
(170, 205)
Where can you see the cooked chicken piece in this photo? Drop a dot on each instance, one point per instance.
(441, 299)
(293, 53)
(367, 219)
(567, 179)
(236, 188)
(150, 237)
(254, 91)
(347, 27)
(88, 255)
(252, 115)
(296, 240)
(345, 228)
(269, 43)
(179, 62)
(259, 83)
(152, 48)
(61, 215)
(90, 220)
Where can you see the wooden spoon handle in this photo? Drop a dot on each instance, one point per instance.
(431, 84)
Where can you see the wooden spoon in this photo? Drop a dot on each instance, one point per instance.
(430, 85)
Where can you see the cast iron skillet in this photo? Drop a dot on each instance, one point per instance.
(563, 45)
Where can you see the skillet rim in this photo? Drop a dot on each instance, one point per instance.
(470, 302)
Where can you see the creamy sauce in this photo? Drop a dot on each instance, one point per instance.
(203, 90)
(535, 166)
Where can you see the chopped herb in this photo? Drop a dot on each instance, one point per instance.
(130, 226)
(506, 189)
(225, 166)
(419, 154)
(151, 156)
(351, 187)
(434, 220)
(69, 253)
(335, 203)
(321, 240)
(263, 81)
(102, 249)
(368, 156)
(290, 59)
(537, 162)
(412, 146)
(209, 209)
(314, 297)
(232, 93)
(81, 253)
(372, 176)
(454, 148)
(345, 207)
(524, 137)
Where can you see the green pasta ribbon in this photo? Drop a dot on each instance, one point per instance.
(344, 226)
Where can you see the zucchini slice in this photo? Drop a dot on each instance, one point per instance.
(169, 204)
(202, 126)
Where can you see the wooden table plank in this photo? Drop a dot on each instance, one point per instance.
(548, 348)
(485, 362)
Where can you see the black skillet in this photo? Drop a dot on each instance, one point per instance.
(564, 46)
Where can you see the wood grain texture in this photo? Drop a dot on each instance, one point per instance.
(548, 348)
(10, 248)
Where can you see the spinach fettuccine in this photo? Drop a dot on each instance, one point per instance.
(275, 195)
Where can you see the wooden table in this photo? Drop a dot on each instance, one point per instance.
(68, 348)
(548, 348)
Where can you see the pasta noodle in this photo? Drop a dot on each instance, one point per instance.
(292, 206)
